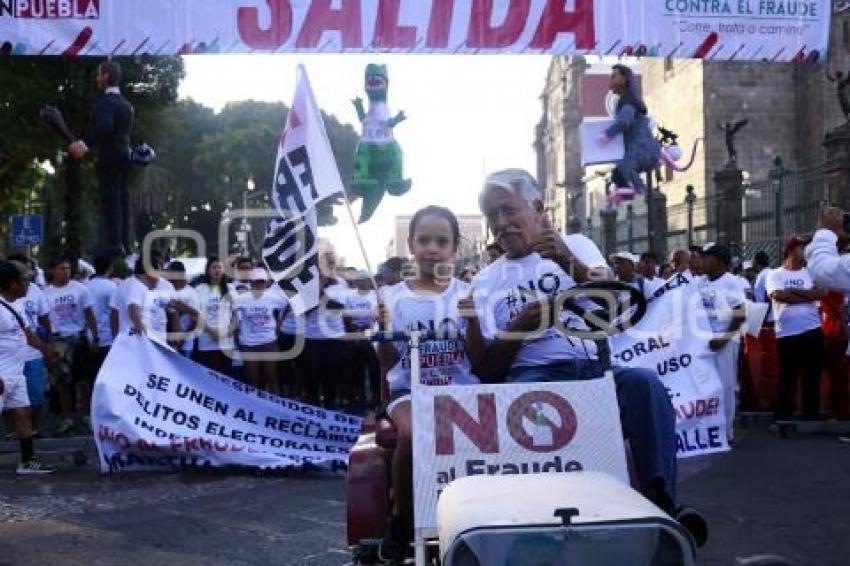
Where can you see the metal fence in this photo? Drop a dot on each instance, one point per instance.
(786, 202)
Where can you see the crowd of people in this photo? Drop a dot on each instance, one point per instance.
(803, 339)
(56, 329)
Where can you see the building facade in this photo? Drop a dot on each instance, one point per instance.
(473, 237)
(789, 109)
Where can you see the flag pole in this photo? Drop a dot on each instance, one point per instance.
(359, 239)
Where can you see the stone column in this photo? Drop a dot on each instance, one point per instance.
(608, 216)
(728, 187)
(837, 166)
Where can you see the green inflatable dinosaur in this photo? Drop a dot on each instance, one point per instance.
(378, 168)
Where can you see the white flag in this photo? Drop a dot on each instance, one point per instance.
(305, 174)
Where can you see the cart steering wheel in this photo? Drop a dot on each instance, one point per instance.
(620, 307)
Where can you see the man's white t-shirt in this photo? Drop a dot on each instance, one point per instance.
(720, 297)
(67, 307)
(506, 286)
(103, 291)
(33, 305)
(216, 310)
(12, 342)
(153, 304)
(442, 362)
(792, 319)
(189, 297)
(257, 316)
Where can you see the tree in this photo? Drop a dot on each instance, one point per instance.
(207, 160)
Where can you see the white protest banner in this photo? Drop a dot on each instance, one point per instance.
(744, 30)
(305, 174)
(512, 429)
(672, 339)
(153, 409)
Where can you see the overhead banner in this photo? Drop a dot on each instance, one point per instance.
(512, 429)
(773, 30)
(672, 339)
(155, 410)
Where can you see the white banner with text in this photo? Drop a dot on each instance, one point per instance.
(750, 30)
(512, 429)
(672, 338)
(153, 409)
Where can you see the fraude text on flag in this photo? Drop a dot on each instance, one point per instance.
(305, 174)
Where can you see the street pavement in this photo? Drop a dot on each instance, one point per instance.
(769, 496)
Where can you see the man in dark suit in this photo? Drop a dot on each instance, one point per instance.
(109, 131)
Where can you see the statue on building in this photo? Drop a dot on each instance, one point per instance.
(841, 81)
(731, 130)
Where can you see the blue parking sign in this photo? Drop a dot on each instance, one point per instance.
(27, 230)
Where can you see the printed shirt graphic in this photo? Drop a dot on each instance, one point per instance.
(32, 306)
(67, 307)
(362, 308)
(325, 321)
(153, 304)
(375, 128)
(257, 317)
(504, 289)
(720, 297)
(799, 317)
(442, 362)
(216, 310)
(12, 342)
(188, 296)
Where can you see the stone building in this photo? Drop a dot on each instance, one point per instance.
(789, 108)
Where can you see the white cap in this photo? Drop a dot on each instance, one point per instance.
(628, 256)
(259, 274)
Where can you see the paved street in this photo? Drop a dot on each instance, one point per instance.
(786, 497)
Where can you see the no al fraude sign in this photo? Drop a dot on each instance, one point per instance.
(774, 30)
(512, 429)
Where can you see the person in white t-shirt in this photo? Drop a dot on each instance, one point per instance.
(361, 305)
(214, 347)
(71, 314)
(35, 309)
(257, 315)
(103, 289)
(185, 304)
(14, 338)
(798, 332)
(426, 301)
(647, 268)
(724, 302)
(142, 302)
(523, 343)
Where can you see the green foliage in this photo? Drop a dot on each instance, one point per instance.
(209, 158)
(203, 160)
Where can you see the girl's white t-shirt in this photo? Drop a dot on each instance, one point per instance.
(216, 310)
(257, 316)
(442, 362)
